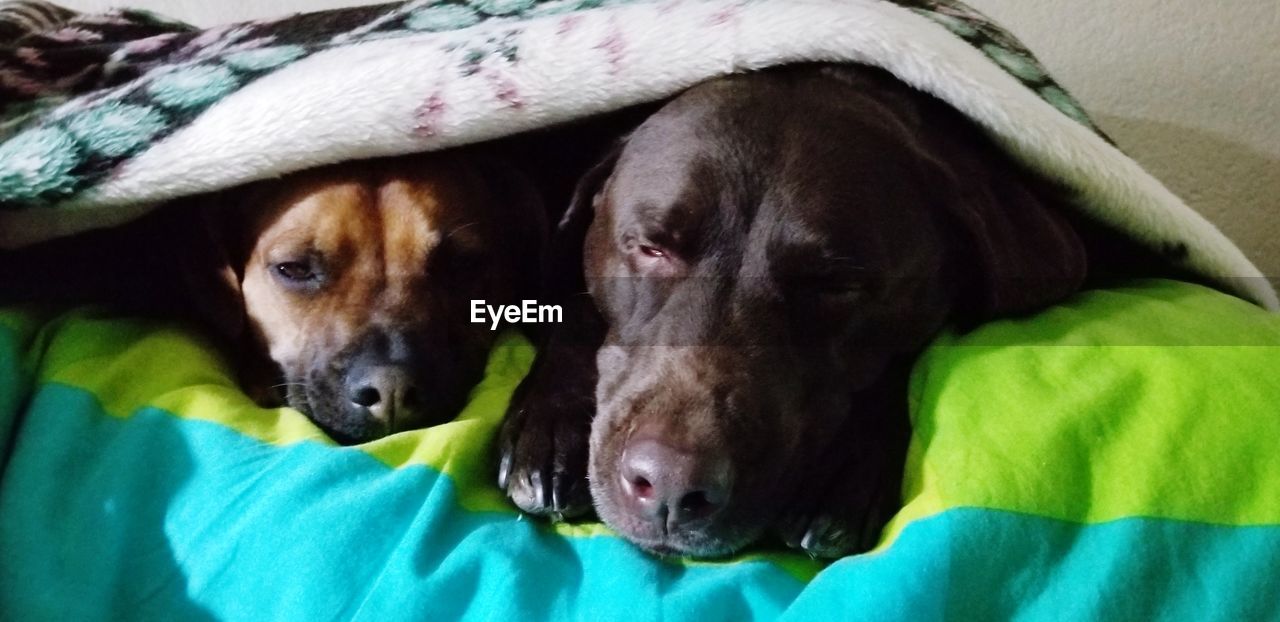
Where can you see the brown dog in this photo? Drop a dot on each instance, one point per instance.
(765, 256)
(346, 286)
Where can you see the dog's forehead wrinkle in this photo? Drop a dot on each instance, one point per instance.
(809, 250)
(332, 204)
(844, 242)
(652, 191)
(410, 212)
(411, 220)
(688, 160)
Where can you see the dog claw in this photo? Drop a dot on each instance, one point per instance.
(822, 536)
(837, 524)
(539, 491)
(809, 540)
(567, 498)
(526, 490)
(504, 469)
(826, 540)
(542, 465)
(557, 495)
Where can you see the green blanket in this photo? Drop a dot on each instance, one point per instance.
(1111, 458)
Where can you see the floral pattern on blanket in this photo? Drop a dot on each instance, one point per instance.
(82, 94)
(1003, 48)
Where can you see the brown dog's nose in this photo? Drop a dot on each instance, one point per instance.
(664, 484)
(387, 392)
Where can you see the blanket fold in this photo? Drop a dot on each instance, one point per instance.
(137, 482)
(1109, 458)
(104, 117)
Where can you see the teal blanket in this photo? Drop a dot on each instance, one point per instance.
(1112, 458)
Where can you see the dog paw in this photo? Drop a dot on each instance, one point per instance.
(542, 462)
(843, 505)
(840, 526)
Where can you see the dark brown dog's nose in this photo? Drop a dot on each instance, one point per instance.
(387, 392)
(663, 484)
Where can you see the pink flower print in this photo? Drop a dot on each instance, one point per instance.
(149, 44)
(31, 56)
(723, 16)
(73, 35)
(614, 46)
(428, 115)
(505, 90)
(17, 81)
(567, 24)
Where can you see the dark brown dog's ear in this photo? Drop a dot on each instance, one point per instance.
(1024, 251)
(565, 259)
(582, 206)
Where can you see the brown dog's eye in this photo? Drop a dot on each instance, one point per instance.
(296, 271)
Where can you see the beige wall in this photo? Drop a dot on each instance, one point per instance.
(1191, 93)
(1190, 89)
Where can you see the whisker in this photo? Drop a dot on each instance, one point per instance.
(290, 384)
(460, 228)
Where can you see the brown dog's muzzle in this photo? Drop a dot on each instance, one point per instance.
(385, 383)
(381, 386)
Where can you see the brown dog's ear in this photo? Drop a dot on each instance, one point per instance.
(1027, 255)
(212, 249)
(207, 258)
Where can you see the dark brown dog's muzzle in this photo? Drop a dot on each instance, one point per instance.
(672, 487)
(673, 477)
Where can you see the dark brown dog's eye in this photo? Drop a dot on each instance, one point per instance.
(296, 271)
(852, 290)
(834, 293)
(840, 296)
(652, 259)
(652, 251)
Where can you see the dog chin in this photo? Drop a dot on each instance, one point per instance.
(338, 425)
(704, 541)
(684, 543)
(346, 432)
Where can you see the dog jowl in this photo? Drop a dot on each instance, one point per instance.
(341, 291)
(764, 257)
(358, 280)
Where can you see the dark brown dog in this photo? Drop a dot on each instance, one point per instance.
(347, 286)
(767, 254)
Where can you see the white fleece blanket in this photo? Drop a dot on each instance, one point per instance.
(105, 116)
